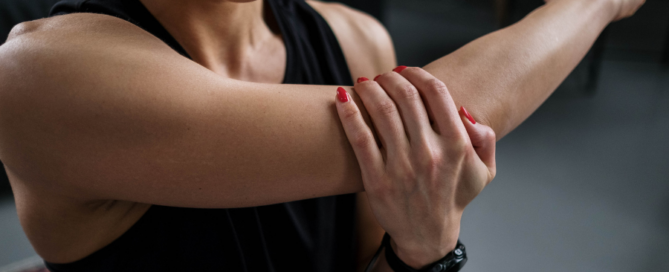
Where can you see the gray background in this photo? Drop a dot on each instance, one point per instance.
(582, 184)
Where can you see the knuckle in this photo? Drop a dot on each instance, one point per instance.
(386, 108)
(437, 87)
(362, 140)
(457, 145)
(490, 135)
(432, 159)
(350, 113)
(408, 91)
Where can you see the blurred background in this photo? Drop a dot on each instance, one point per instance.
(583, 184)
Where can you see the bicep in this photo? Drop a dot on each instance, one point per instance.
(116, 114)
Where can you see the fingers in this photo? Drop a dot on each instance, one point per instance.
(438, 100)
(408, 100)
(482, 138)
(385, 116)
(358, 133)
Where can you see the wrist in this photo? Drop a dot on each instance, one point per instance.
(606, 10)
(611, 8)
(419, 256)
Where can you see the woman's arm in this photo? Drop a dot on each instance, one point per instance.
(504, 76)
(93, 107)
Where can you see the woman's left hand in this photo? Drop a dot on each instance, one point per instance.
(420, 180)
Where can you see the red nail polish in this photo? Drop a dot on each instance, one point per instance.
(342, 95)
(399, 69)
(362, 79)
(376, 77)
(464, 112)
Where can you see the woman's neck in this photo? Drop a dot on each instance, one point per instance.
(228, 38)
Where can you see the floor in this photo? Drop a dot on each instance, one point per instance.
(583, 184)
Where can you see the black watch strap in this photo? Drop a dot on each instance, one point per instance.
(452, 262)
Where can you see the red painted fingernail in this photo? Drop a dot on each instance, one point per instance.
(399, 69)
(464, 112)
(342, 95)
(362, 79)
(376, 77)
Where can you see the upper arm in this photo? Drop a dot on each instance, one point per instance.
(95, 107)
(366, 43)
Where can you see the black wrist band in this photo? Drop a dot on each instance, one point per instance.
(452, 262)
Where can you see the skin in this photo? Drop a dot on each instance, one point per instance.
(427, 171)
(85, 144)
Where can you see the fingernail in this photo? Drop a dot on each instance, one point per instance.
(342, 95)
(464, 112)
(362, 79)
(376, 77)
(399, 69)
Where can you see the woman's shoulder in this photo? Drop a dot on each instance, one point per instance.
(64, 28)
(366, 43)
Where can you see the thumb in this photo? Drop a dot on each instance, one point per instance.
(483, 140)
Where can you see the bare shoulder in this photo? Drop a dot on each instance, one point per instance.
(365, 41)
(69, 24)
(38, 53)
(67, 34)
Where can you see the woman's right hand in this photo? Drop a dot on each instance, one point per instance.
(420, 180)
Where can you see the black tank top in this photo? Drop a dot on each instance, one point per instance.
(308, 235)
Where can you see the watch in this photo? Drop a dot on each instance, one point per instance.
(452, 262)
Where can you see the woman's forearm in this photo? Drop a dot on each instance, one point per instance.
(504, 76)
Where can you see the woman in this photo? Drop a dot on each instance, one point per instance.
(107, 127)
